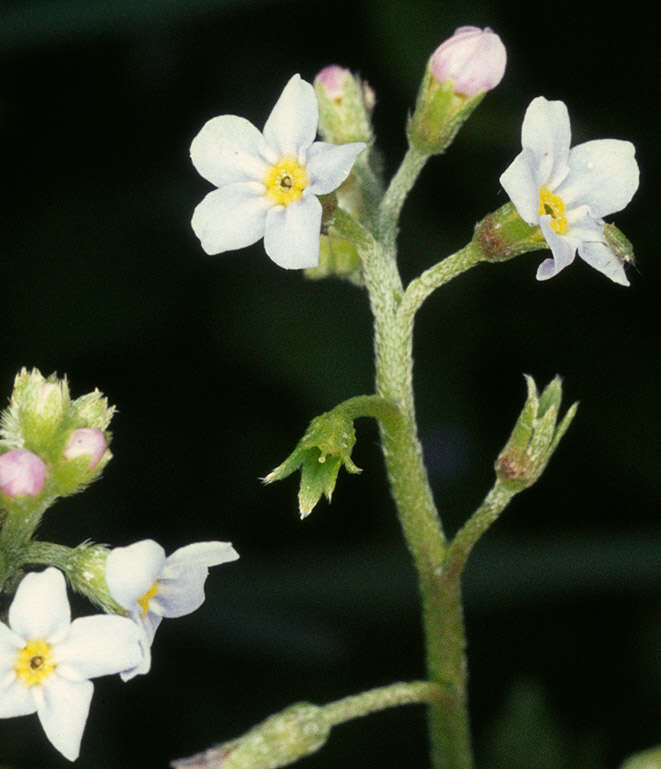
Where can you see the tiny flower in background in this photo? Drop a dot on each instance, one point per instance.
(566, 192)
(331, 79)
(87, 440)
(473, 59)
(46, 660)
(21, 473)
(150, 586)
(345, 108)
(268, 182)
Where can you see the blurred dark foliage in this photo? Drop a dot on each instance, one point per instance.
(217, 365)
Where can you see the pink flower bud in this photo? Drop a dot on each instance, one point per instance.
(86, 440)
(473, 58)
(332, 78)
(21, 473)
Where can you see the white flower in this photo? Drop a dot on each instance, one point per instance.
(268, 182)
(568, 191)
(46, 660)
(150, 586)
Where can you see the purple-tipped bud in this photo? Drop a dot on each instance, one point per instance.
(22, 473)
(87, 440)
(332, 79)
(473, 58)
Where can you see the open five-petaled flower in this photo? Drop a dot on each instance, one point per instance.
(268, 182)
(566, 192)
(150, 586)
(46, 660)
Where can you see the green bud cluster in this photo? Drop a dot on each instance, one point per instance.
(42, 418)
(535, 436)
(50, 446)
(325, 447)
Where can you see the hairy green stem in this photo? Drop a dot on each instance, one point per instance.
(393, 200)
(394, 311)
(371, 406)
(401, 693)
(466, 538)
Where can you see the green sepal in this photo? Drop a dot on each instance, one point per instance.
(439, 114)
(535, 436)
(503, 234)
(325, 447)
(337, 257)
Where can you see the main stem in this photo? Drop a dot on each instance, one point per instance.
(443, 624)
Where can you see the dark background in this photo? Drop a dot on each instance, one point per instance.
(217, 364)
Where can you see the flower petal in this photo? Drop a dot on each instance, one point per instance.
(40, 608)
(231, 217)
(292, 234)
(200, 554)
(603, 175)
(98, 646)
(63, 713)
(15, 698)
(292, 124)
(602, 258)
(227, 150)
(182, 595)
(132, 570)
(563, 250)
(181, 586)
(547, 134)
(520, 182)
(144, 665)
(328, 165)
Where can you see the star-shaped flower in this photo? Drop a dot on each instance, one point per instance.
(150, 586)
(568, 191)
(46, 660)
(268, 182)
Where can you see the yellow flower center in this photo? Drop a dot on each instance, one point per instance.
(285, 181)
(143, 601)
(554, 206)
(34, 662)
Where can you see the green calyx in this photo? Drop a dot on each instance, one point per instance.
(503, 235)
(439, 114)
(325, 447)
(280, 740)
(535, 436)
(345, 116)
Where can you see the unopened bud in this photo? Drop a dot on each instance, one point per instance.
(473, 59)
(22, 473)
(87, 441)
(345, 106)
(459, 72)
